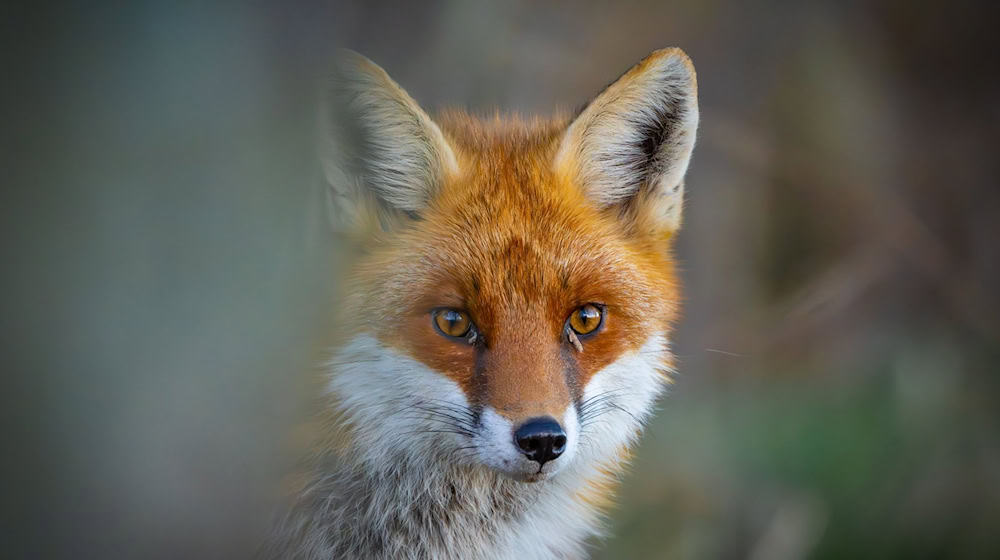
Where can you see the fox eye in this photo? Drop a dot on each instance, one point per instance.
(453, 323)
(586, 319)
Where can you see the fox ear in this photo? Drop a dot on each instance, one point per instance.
(630, 147)
(383, 157)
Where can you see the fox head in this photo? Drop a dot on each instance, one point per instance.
(512, 304)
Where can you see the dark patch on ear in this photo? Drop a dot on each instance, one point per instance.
(645, 162)
(654, 133)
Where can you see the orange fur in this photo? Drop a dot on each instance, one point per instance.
(517, 224)
(519, 247)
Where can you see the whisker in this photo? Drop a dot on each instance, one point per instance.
(454, 411)
(452, 407)
(593, 409)
(439, 419)
(622, 409)
(450, 424)
(459, 432)
(439, 414)
(352, 362)
(725, 353)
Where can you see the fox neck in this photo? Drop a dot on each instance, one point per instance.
(411, 510)
(395, 492)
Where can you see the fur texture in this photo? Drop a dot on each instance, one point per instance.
(516, 224)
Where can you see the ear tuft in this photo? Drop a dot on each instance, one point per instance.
(381, 151)
(633, 142)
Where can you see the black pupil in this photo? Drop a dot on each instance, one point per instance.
(588, 315)
(453, 318)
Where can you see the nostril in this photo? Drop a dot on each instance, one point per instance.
(541, 439)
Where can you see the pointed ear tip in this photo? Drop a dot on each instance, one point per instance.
(674, 54)
(347, 62)
(675, 59)
(347, 55)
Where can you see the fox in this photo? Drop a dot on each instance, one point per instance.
(506, 323)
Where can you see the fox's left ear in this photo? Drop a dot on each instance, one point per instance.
(384, 159)
(630, 147)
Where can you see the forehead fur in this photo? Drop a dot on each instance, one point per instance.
(508, 231)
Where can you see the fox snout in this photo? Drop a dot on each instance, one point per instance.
(541, 440)
(529, 415)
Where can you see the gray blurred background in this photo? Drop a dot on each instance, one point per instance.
(167, 276)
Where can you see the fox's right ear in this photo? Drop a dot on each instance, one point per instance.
(383, 157)
(630, 147)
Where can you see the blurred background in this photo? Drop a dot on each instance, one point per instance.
(167, 276)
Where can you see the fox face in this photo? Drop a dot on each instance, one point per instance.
(511, 307)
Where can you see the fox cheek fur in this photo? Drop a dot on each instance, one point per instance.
(502, 436)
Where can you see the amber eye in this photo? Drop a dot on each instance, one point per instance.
(452, 323)
(586, 319)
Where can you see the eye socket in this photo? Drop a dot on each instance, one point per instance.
(453, 323)
(586, 319)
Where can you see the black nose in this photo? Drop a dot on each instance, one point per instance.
(541, 439)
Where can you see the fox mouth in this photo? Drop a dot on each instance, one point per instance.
(537, 477)
(540, 475)
(529, 476)
(528, 473)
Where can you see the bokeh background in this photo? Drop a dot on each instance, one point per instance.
(167, 276)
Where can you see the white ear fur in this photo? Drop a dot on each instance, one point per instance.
(380, 150)
(633, 142)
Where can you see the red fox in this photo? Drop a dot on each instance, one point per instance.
(507, 324)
